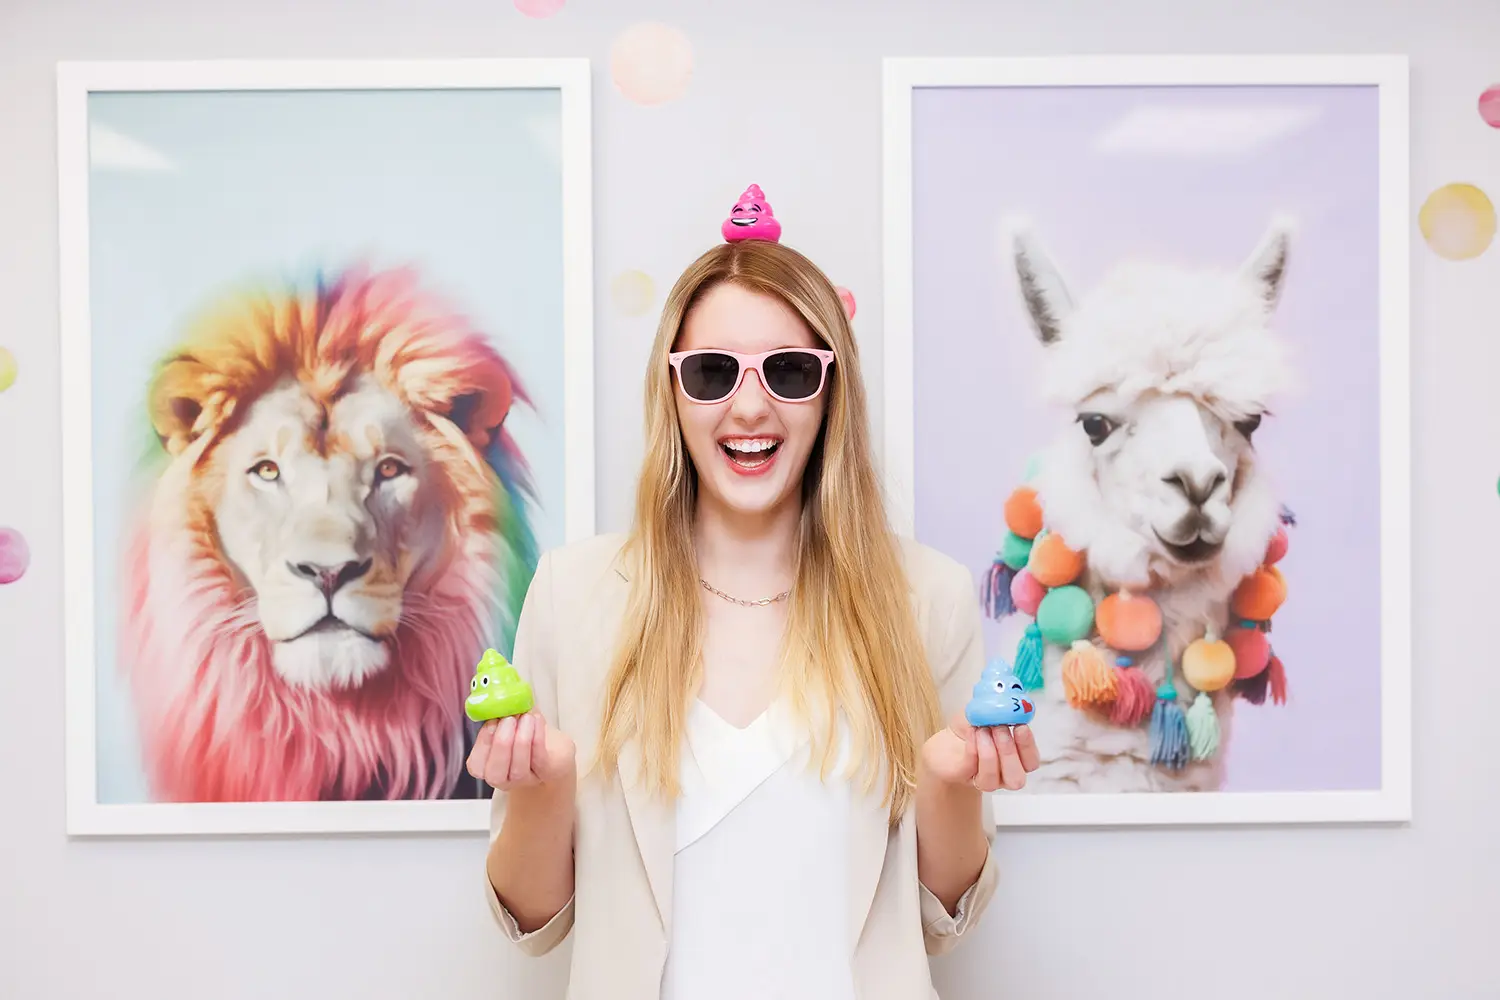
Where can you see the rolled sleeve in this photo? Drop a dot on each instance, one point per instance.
(534, 943)
(941, 930)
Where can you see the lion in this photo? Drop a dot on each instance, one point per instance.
(335, 530)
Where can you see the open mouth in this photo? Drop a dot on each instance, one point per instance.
(1198, 550)
(750, 454)
(743, 222)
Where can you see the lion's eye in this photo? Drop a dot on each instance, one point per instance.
(390, 468)
(266, 471)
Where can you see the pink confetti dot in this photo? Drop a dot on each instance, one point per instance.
(1489, 106)
(847, 298)
(15, 556)
(539, 8)
(651, 63)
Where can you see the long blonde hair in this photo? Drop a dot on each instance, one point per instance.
(852, 641)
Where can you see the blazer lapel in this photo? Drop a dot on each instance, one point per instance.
(869, 838)
(653, 821)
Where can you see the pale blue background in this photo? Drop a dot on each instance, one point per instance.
(192, 192)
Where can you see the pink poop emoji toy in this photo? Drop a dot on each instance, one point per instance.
(752, 218)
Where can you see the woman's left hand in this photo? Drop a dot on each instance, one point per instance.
(988, 758)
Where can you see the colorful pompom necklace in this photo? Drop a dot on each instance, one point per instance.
(1036, 573)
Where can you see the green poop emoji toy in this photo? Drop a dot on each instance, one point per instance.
(496, 690)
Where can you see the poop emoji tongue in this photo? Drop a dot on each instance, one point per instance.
(752, 218)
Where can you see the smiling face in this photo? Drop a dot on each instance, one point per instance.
(750, 450)
(1170, 467)
(751, 218)
(327, 514)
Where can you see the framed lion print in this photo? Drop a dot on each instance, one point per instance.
(327, 394)
(1146, 355)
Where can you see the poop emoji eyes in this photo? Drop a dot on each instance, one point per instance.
(751, 218)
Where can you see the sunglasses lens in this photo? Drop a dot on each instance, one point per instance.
(708, 377)
(793, 374)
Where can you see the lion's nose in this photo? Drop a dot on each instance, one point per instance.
(329, 579)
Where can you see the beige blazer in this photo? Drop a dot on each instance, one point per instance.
(620, 916)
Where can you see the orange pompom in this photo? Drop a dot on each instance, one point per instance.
(1260, 594)
(1208, 664)
(1128, 623)
(1053, 563)
(1023, 515)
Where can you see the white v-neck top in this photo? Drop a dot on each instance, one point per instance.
(760, 883)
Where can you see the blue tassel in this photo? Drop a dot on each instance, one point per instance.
(995, 590)
(1029, 654)
(1169, 735)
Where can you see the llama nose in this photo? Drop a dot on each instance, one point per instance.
(329, 579)
(1197, 485)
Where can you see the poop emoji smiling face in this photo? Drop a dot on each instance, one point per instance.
(497, 690)
(999, 699)
(752, 218)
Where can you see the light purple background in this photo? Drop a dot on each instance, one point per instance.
(1199, 191)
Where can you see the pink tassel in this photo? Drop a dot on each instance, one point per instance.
(1277, 674)
(1134, 698)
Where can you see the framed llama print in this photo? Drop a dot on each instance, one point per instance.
(327, 395)
(1146, 345)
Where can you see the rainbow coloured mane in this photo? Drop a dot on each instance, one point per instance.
(216, 720)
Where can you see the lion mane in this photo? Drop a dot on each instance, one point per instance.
(217, 721)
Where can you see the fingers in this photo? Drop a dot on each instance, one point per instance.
(1026, 748)
(987, 774)
(1012, 774)
(479, 755)
(520, 751)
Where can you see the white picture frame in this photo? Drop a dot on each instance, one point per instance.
(903, 80)
(77, 84)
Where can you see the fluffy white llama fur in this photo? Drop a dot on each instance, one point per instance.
(1171, 368)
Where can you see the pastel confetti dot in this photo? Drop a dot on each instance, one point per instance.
(14, 555)
(7, 369)
(847, 298)
(651, 63)
(539, 8)
(1489, 106)
(632, 292)
(1458, 221)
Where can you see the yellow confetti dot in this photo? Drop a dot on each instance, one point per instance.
(651, 63)
(7, 369)
(1457, 221)
(632, 292)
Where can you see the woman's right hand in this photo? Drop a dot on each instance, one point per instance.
(521, 750)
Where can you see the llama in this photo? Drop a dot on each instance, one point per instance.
(1152, 490)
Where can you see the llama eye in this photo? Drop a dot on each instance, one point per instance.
(1248, 426)
(1097, 426)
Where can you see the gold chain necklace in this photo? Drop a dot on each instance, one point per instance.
(742, 603)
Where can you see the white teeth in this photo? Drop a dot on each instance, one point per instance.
(751, 445)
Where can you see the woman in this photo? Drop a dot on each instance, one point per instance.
(763, 799)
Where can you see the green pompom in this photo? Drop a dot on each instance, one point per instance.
(1066, 615)
(1015, 551)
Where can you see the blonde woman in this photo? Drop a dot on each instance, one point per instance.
(748, 774)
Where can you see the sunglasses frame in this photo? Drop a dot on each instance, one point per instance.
(753, 362)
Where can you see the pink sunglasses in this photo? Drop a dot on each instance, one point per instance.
(792, 375)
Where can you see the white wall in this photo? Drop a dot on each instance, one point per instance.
(1127, 914)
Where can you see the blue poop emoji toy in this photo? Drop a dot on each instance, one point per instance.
(999, 698)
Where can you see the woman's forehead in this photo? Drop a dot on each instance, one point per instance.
(737, 319)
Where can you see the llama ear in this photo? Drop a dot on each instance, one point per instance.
(1266, 268)
(1042, 287)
